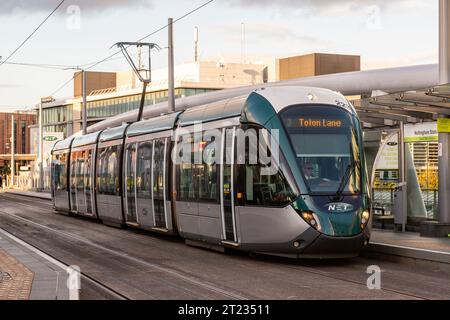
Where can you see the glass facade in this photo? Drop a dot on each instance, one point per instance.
(56, 119)
(114, 106)
(57, 114)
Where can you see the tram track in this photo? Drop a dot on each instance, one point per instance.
(159, 268)
(334, 277)
(272, 267)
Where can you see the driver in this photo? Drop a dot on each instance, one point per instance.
(307, 169)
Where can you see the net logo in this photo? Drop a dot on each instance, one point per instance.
(339, 207)
(50, 138)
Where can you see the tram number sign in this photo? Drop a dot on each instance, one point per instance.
(319, 123)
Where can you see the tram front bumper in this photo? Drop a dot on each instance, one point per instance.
(314, 245)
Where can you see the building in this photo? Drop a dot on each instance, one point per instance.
(22, 139)
(315, 64)
(112, 93)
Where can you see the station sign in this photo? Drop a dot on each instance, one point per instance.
(388, 158)
(47, 100)
(427, 131)
(443, 125)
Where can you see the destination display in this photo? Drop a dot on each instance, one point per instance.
(319, 123)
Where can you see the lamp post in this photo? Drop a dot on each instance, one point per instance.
(13, 163)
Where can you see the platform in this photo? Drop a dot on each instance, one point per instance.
(34, 194)
(410, 245)
(27, 274)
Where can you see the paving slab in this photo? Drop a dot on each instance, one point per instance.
(25, 274)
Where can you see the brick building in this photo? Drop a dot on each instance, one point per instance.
(22, 121)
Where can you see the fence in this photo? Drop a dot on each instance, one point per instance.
(28, 181)
(384, 198)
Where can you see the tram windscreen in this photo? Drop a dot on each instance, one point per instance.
(326, 145)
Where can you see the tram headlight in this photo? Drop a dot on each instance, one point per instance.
(312, 219)
(365, 218)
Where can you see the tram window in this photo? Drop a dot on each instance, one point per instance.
(73, 170)
(87, 169)
(80, 170)
(130, 168)
(186, 175)
(158, 167)
(327, 145)
(263, 189)
(207, 176)
(100, 170)
(60, 171)
(108, 167)
(144, 167)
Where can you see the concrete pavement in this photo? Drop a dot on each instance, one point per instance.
(27, 274)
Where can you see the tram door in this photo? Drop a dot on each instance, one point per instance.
(227, 185)
(130, 183)
(159, 182)
(72, 188)
(87, 182)
(80, 166)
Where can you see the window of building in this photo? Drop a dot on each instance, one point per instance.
(15, 137)
(24, 136)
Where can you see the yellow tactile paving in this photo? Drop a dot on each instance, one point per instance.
(15, 278)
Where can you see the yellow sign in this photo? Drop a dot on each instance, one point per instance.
(320, 123)
(443, 125)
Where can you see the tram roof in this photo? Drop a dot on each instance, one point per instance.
(162, 123)
(63, 144)
(85, 140)
(113, 133)
(214, 111)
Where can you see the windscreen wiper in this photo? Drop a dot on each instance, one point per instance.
(348, 173)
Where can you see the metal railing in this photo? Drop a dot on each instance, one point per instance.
(28, 181)
(384, 198)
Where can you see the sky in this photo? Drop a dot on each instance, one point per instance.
(384, 33)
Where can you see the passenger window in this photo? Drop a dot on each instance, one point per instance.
(207, 175)
(108, 174)
(186, 175)
(262, 189)
(144, 167)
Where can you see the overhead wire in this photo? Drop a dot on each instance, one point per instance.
(32, 33)
(87, 67)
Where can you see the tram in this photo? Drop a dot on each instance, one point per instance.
(197, 174)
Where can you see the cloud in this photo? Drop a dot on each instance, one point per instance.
(313, 5)
(31, 6)
(9, 86)
(255, 32)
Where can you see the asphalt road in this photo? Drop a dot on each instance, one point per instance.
(141, 265)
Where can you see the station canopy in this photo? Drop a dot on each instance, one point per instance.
(389, 110)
